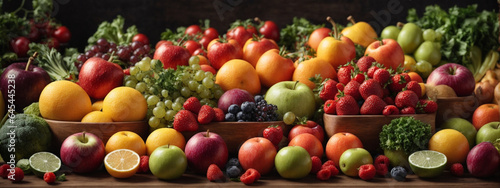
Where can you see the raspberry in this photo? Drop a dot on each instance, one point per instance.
(316, 164)
(398, 173)
(214, 173)
(49, 177)
(206, 114)
(457, 169)
(367, 172)
(144, 164)
(381, 165)
(329, 162)
(4, 171)
(250, 176)
(16, 175)
(324, 174)
(192, 104)
(330, 165)
(219, 115)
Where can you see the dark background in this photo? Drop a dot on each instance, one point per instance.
(152, 17)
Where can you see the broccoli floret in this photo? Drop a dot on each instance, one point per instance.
(32, 109)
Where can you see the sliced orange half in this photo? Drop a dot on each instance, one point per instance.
(122, 163)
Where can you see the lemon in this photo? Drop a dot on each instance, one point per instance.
(427, 163)
(42, 162)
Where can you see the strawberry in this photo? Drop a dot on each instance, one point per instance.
(206, 114)
(144, 164)
(381, 165)
(49, 177)
(16, 175)
(387, 92)
(324, 174)
(425, 106)
(364, 63)
(390, 110)
(360, 78)
(328, 90)
(344, 74)
(250, 176)
(415, 87)
(273, 133)
(219, 115)
(352, 89)
(4, 171)
(316, 164)
(330, 106)
(184, 120)
(371, 71)
(398, 82)
(406, 98)
(347, 105)
(371, 87)
(457, 169)
(366, 172)
(340, 86)
(408, 110)
(192, 104)
(373, 105)
(388, 100)
(214, 173)
(382, 76)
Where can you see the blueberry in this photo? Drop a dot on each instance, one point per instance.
(241, 120)
(258, 98)
(247, 107)
(233, 171)
(230, 117)
(233, 162)
(241, 115)
(398, 173)
(234, 109)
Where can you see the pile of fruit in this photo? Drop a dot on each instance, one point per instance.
(194, 78)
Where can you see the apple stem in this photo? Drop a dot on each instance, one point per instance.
(83, 135)
(208, 133)
(32, 58)
(295, 85)
(335, 32)
(498, 126)
(400, 24)
(351, 19)
(257, 19)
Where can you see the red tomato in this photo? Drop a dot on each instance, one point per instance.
(141, 38)
(211, 33)
(62, 34)
(52, 43)
(193, 30)
(191, 46)
(20, 46)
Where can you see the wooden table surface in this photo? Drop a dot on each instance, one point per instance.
(102, 179)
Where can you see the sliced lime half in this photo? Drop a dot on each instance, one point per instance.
(42, 162)
(427, 163)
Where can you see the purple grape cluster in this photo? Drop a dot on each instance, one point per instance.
(252, 111)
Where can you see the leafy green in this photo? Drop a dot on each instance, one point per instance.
(406, 134)
(114, 32)
(11, 26)
(461, 29)
(58, 67)
(296, 34)
(42, 10)
(174, 36)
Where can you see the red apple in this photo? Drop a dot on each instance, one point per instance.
(386, 52)
(240, 34)
(310, 127)
(483, 160)
(309, 142)
(22, 85)
(82, 152)
(98, 76)
(454, 75)
(171, 55)
(219, 52)
(234, 96)
(317, 36)
(191, 46)
(204, 149)
(254, 48)
(257, 153)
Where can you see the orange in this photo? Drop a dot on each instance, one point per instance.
(96, 117)
(97, 106)
(164, 136)
(484, 114)
(415, 77)
(203, 60)
(125, 104)
(273, 68)
(422, 87)
(309, 142)
(126, 140)
(65, 101)
(311, 68)
(340, 142)
(237, 73)
(122, 163)
(451, 143)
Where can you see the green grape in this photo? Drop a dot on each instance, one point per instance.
(184, 77)
(439, 36)
(134, 70)
(200, 88)
(160, 104)
(289, 118)
(146, 60)
(198, 76)
(176, 94)
(429, 35)
(145, 96)
(194, 60)
(153, 90)
(180, 100)
(156, 65)
(185, 92)
(159, 112)
(205, 93)
(164, 93)
(209, 75)
(141, 87)
(208, 82)
(193, 85)
(218, 93)
(424, 68)
(169, 115)
(176, 106)
(127, 78)
(152, 100)
(131, 83)
(196, 67)
(139, 76)
(168, 104)
(145, 66)
(154, 122)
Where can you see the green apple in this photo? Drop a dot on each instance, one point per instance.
(463, 126)
(292, 96)
(168, 162)
(293, 162)
(397, 158)
(352, 159)
(489, 132)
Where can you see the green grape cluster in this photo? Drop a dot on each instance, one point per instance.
(166, 90)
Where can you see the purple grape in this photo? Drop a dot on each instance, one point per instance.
(89, 54)
(111, 50)
(139, 52)
(136, 44)
(95, 48)
(134, 59)
(112, 45)
(123, 54)
(102, 42)
(147, 48)
(81, 58)
(106, 56)
(98, 54)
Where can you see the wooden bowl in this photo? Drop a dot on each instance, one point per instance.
(462, 107)
(367, 127)
(62, 129)
(236, 133)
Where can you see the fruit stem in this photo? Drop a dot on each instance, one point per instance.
(111, 56)
(335, 32)
(257, 19)
(295, 85)
(498, 126)
(351, 19)
(400, 24)
(208, 133)
(83, 136)
(32, 58)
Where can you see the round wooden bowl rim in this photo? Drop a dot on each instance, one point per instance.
(87, 123)
(455, 98)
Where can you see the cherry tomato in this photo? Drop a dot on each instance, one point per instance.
(62, 34)
(205, 40)
(141, 38)
(193, 30)
(191, 46)
(52, 43)
(211, 33)
(20, 46)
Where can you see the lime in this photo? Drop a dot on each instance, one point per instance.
(427, 163)
(24, 164)
(42, 162)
